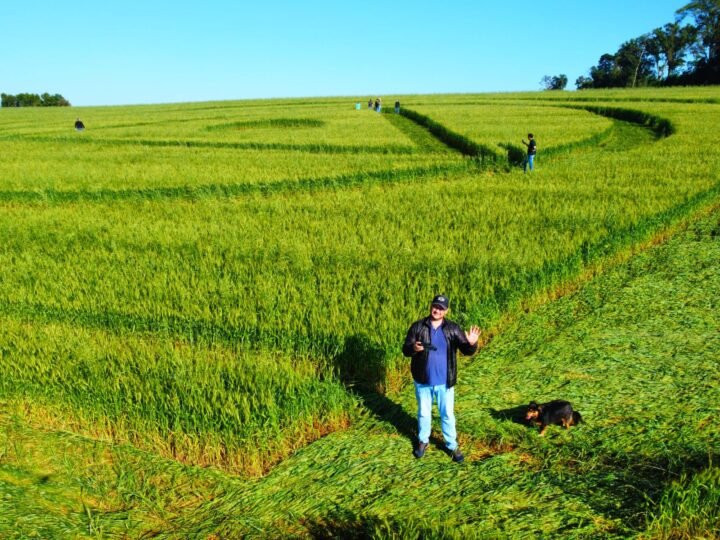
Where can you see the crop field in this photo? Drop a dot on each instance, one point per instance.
(202, 307)
(490, 122)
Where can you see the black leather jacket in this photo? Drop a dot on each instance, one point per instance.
(456, 339)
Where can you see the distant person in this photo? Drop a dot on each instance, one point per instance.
(370, 103)
(531, 150)
(79, 125)
(432, 343)
(378, 105)
(397, 107)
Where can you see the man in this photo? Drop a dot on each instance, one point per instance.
(531, 151)
(432, 343)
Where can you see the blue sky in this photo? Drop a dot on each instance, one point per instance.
(132, 51)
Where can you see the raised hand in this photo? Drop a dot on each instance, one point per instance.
(473, 335)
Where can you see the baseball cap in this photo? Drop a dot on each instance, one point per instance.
(440, 300)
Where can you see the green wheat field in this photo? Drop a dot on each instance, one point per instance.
(202, 307)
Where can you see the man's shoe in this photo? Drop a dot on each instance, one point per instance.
(420, 449)
(457, 455)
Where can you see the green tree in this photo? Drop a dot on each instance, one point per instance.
(28, 100)
(7, 100)
(557, 82)
(706, 15)
(560, 82)
(55, 100)
(34, 100)
(635, 63)
(706, 48)
(582, 82)
(657, 57)
(668, 47)
(631, 65)
(607, 73)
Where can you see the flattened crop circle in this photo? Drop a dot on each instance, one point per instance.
(271, 123)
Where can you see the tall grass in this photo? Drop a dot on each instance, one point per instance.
(489, 123)
(199, 404)
(62, 165)
(264, 123)
(282, 255)
(307, 271)
(688, 508)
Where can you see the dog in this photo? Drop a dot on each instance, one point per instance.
(554, 412)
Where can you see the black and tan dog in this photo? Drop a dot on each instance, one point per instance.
(554, 412)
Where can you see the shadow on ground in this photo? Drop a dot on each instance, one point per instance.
(514, 414)
(361, 367)
(629, 489)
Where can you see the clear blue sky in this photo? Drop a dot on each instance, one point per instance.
(108, 52)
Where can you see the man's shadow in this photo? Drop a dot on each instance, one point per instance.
(362, 368)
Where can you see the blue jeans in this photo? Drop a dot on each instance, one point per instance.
(445, 397)
(529, 162)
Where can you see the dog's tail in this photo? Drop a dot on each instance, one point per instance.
(577, 418)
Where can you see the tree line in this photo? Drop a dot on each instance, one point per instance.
(33, 100)
(683, 52)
